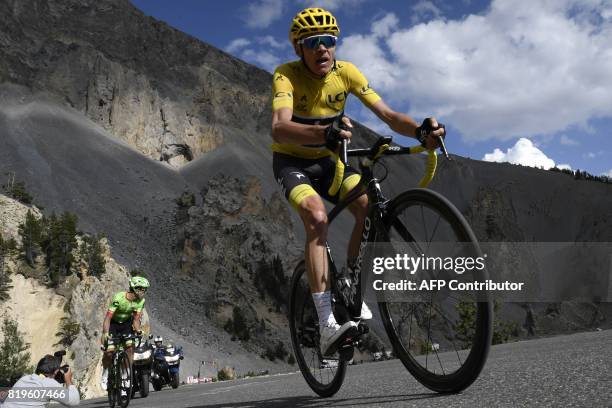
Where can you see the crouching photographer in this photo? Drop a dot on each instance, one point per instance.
(42, 387)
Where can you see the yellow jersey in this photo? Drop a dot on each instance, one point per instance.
(316, 100)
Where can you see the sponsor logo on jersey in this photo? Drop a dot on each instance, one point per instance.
(336, 102)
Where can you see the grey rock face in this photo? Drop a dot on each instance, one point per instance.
(229, 239)
(140, 79)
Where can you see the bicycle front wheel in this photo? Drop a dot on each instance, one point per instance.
(125, 380)
(323, 375)
(442, 338)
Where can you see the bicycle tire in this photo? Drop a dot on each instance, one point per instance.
(470, 368)
(303, 324)
(123, 363)
(112, 384)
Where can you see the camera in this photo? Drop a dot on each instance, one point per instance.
(59, 377)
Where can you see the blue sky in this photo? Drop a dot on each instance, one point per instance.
(523, 81)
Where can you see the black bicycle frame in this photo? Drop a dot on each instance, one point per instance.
(375, 222)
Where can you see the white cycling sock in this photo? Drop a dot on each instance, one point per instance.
(322, 302)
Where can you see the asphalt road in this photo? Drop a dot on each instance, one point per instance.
(565, 371)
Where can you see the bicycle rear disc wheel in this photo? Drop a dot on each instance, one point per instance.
(442, 338)
(323, 375)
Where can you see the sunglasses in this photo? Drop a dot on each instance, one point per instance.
(313, 42)
(139, 289)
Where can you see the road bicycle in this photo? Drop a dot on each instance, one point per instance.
(119, 384)
(442, 338)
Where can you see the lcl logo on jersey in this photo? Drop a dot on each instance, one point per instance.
(337, 99)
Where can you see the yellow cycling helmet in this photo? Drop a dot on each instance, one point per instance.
(312, 21)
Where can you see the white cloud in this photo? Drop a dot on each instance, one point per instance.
(263, 59)
(519, 68)
(237, 45)
(263, 51)
(273, 42)
(567, 141)
(261, 13)
(564, 166)
(425, 10)
(523, 152)
(608, 174)
(358, 48)
(385, 25)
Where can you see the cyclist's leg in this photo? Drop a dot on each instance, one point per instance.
(312, 212)
(294, 176)
(359, 210)
(109, 346)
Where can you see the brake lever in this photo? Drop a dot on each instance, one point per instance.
(443, 148)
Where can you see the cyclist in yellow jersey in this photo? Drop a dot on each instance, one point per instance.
(307, 104)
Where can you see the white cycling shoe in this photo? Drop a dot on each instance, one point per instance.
(330, 335)
(366, 313)
(104, 379)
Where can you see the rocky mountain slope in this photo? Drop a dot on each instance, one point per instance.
(141, 80)
(39, 309)
(92, 93)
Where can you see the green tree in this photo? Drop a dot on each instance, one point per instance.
(17, 190)
(237, 325)
(58, 243)
(68, 332)
(30, 232)
(464, 327)
(91, 251)
(6, 247)
(14, 354)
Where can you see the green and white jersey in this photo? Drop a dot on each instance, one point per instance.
(123, 309)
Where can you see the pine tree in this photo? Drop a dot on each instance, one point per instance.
(59, 243)
(68, 332)
(30, 232)
(91, 251)
(14, 354)
(5, 280)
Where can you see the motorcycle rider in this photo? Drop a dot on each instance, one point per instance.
(123, 317)
(158, 342)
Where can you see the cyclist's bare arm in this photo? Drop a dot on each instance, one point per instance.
(107, 321)
(286, 131)
(137, 320)
(403, 124)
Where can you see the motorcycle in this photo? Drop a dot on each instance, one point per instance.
(141, 367)
(166, 363)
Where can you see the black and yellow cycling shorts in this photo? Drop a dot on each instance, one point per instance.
(119, 329)
(300, 178)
